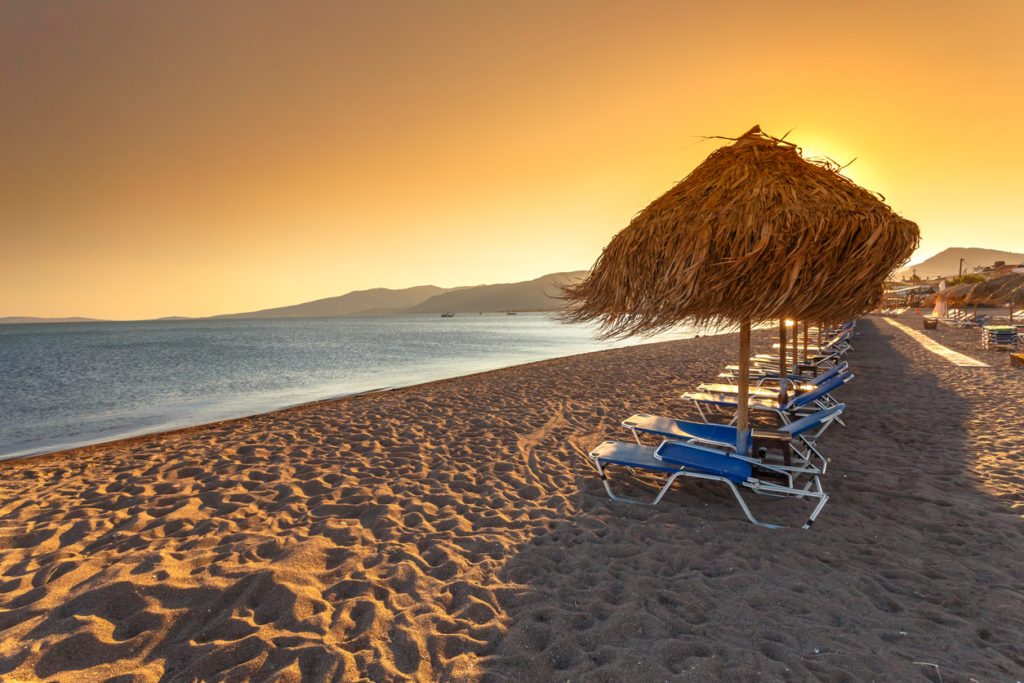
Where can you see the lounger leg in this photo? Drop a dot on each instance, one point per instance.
(821, 504)
(757, 487)
(746, 510)
(824, 460)
(623, 499)
(808, 467)
(819, 493)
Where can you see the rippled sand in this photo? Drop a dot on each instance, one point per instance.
(457, 531)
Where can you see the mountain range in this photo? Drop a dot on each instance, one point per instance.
(947, 262)
(539, 294)
(377, 301)
(31, 319)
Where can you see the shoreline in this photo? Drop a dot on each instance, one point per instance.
(456, 530)
(174, 425)
(131, 438)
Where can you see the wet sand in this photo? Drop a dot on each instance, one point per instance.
(457, 531)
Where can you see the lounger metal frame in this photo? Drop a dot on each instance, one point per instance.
(799, 406)
(812, 490)
(807, 438)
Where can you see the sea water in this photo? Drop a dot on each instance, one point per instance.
(64, 385)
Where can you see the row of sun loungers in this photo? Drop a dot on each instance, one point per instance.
(964, 319)
(995, 334)
(748, 461)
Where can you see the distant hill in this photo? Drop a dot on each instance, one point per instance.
(532, 295)
(948, 262)
(364, 302)
(30, 319)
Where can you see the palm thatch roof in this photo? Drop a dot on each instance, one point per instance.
(755, 233)
(955, 294)
(999, 291)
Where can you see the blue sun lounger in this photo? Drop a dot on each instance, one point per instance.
(839, 342)
(767, 365)
(773, 379)
(823, 359)
(799, 405)
(821, 378)
(804, 431)
(676, 459)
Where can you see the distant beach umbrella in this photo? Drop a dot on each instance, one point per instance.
(956, 292)
(755, 233)
(999, 291)
(955, 295)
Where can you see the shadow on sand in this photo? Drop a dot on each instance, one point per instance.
(908, 574)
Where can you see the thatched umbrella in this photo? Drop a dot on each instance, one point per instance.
(955, 295)
(754, 234)
(1007, 290)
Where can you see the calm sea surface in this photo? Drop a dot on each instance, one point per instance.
(67, 385)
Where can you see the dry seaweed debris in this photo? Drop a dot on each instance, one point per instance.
(755, 233)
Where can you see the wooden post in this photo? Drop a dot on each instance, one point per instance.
(796, 333)
(783, 393)
(742, 422)
(821, 326)
(805, 341)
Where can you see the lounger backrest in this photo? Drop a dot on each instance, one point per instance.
(703, 459)
(804, 399)
(838, 339)
(813, 420)
(828, 374)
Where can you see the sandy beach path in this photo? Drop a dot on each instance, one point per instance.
(457, 531)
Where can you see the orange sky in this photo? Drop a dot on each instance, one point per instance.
(194, 158)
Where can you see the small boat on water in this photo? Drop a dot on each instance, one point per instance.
(447, 314)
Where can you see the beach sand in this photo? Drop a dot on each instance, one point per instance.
(457, 531)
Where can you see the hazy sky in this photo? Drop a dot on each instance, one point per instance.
(194, 158)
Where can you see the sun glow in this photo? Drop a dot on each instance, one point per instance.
(860, 169)
(151, 171)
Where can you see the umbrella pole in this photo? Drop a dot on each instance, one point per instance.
(805, 341)
(742, 423)
(796, 333)
(783, 397)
